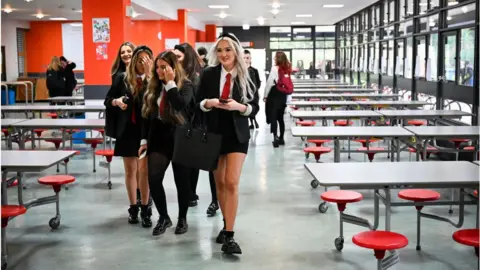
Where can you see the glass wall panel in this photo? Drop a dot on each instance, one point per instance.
(390, 58)
(391, 11)
(408, 58)
(371, 62)
(402, 9)
(399, 69)
(423, 6)
(280, 33)
(409, 7)
(385, 12)
(420, 68)
(461, 16)
(428, 24)
(450, 55)
(384, 62)
(405, 28)
(303, 33)
(432, 58)
(467, 56)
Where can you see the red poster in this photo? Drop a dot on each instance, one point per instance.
(101, 51)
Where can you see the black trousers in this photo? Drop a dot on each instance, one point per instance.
(277, 116)
(194, 181)
(157, 165)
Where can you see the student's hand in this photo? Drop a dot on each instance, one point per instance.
(233, 105)
(147, 65)
(212, 103)
(140, 150)
(119, 103)
(169, 74)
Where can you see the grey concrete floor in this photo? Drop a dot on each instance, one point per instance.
(278, 224)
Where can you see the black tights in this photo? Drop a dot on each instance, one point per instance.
(278, 117)
(194, 181)
(157, 165)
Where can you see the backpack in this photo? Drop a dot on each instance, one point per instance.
(284, 83)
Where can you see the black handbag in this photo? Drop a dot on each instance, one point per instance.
(195, 147)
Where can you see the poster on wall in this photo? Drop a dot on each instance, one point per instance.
(171, 42)
(101, 51)
(101, 30)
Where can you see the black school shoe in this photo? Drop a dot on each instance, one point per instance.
(182, 226)
(162, 225)
(231, 247)
(212, 209)
(145, 214)
(133, 214)
(220, 237)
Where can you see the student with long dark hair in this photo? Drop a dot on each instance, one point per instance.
(256, 80)
(193, 66)
(276, 101)
(228, 96)
(125, 99)
(167, 103)
(70, 80)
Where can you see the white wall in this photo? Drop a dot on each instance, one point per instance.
(9, 40)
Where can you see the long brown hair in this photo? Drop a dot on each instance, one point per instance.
(54, 64)
(281, 61)
(155, 87)
(118, 64)
(131, 74)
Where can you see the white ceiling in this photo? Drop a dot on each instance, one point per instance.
(240, 12)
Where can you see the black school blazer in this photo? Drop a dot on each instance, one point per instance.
(210, 88)
(118, 119)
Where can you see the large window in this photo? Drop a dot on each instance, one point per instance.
(420, 68)
(450, 45)
(467, 56)
(408, 59)
(302, 33)
(461, 16)
(432, 58)
(399, 69)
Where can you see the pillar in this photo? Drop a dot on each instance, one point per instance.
(211, 32)
(182, 22)
(98, 66)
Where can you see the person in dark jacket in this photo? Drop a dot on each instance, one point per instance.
(166, 105)
(70, 80)
(203, 55)
(256, 80)
(193, 66)
(227, 95)
(125, 97)
(55, 78)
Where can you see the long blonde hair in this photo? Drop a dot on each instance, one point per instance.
(131, 74)
(118, 63)
(246, 83)
(54, 64)
(155, 87)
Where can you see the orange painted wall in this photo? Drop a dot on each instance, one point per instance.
(43, 41)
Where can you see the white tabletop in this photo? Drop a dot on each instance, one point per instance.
(315, 95)
(61, 123)
(392, 103)
(476, 162)
(9, 122)
(445, 131)
(32, 161)
(323, 103)
(439, 174)
(333, 90)
(351, 131)
(48, 108)
(69, 98)
(423, 113)
(335, 114)
(370, 95)
(329, 86)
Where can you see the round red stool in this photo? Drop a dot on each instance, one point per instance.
(416, 123)
(468, 237)
(364, 141)
(374, 123)
(430, 150)
(108, 154)
(52, 115)
(8, 212)
(371, 151)
(305, 123)
(56, 181)
(457, 142)
(418, 196)
(342, 123)
(318, 143)
(56, 142)
(316, 151)
(341, 198)
(380, 242)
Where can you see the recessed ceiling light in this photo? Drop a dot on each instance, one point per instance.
(333, 6)
(246, 27)
(58, 19)
(39, 15)
(449, 18)
(218, 6)
(222, 15)
(297, 23)
(276, 5)
(261, 20)
(275, 11)
(304, 15)
(7, 8)
(28, 1)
